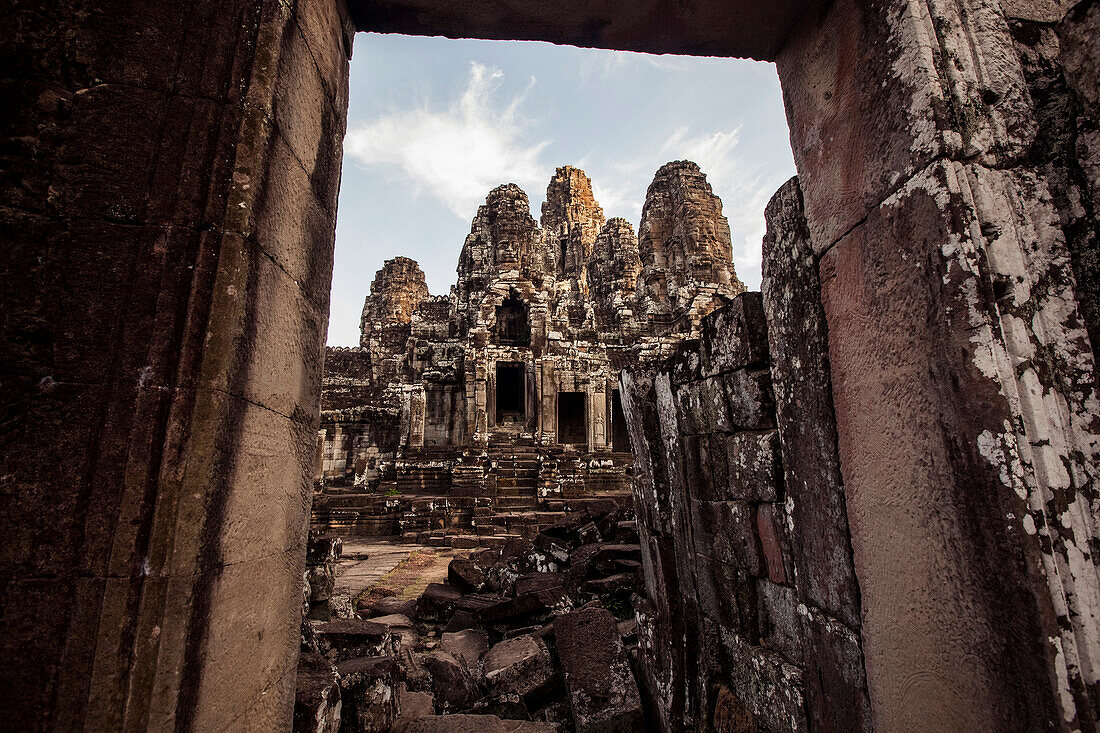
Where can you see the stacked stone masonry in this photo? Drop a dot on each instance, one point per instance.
(479, 415)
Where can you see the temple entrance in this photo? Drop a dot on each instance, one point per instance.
(510, 393)
(572, 418)
(620, 438)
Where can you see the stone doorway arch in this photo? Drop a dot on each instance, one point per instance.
(169, 209)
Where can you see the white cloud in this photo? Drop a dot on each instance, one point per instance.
(458, 153)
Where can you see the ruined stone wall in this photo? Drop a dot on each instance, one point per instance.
(753, 613)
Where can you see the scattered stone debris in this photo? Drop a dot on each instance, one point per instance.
(534, 635)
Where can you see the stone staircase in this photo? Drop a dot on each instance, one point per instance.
(515, 465)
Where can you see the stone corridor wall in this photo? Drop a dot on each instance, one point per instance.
(753, 616)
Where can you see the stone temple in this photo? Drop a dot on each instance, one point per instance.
(497, 406)
(866, 498)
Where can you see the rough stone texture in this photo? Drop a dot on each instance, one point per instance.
(168, 206)
(685, 248)
(454, 687)
(352, 638)
(519, 666)
(820, 545)
(469, 724)
(317, 702)
(954, 331)
(732, 557)
(1057, 53)
(368, 690)
(467, 646)
(602, 693)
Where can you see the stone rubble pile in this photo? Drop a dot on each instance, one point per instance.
(534, 635)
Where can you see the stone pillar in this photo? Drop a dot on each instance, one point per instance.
(170, 185)
(962, 375)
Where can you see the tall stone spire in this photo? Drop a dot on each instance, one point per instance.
(685, 247)
(572, 219)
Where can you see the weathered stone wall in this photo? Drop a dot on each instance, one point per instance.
(753, 614)
(168, 208)
(962, 372)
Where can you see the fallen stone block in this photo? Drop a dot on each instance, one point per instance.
(455, 689)
(466, 646)
(533, 582)
(413, 704)
(317, 702)
(461, 619)
(524, 609)
(520, 666)
(386, 606)
(368, 690)
(612, 584)
(466, 575)
(600, 685)
(401, 628)
(437, 602)
(351, 638)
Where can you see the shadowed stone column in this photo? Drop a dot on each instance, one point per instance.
(962, 374)
(169, 199)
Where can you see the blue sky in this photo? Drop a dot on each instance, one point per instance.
(435, 123)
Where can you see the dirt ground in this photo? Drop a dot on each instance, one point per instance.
(384, 567)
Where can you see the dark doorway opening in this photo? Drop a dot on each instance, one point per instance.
(571, 418)
(510, 393)
(513, 328)
(620, 438)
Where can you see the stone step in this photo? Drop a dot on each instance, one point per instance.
(516, 502)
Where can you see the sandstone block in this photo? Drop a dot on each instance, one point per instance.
(602, 692)
(348, 638)
(520, 666)
(467, 646)
(437, 602)
(455, 689)
(751, 404)
(369, 694)
(780, 626)
(736, 336)
(726, 531)
(413, 704)
(466, 574)
(317, 704)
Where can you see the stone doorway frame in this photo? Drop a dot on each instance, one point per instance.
(171, 212)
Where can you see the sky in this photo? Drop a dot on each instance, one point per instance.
(434, 124)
